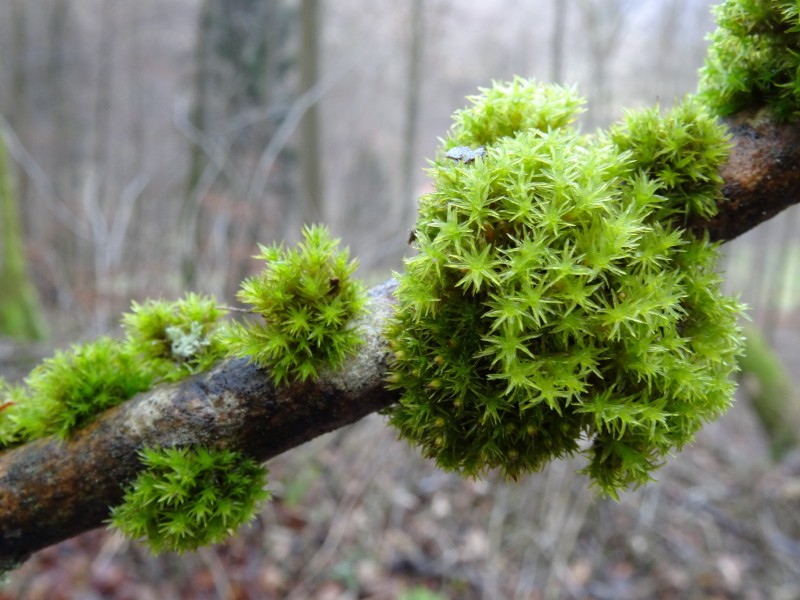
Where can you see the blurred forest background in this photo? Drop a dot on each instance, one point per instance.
(153, 144)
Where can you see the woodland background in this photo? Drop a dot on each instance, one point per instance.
(154, 143)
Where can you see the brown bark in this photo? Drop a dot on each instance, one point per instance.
(52, 490)
(762, 175)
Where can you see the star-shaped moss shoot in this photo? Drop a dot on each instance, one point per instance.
(554, 306)
(187, 498)
(754, 58)
(308, 300)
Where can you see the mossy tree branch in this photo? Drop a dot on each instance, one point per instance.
(762, 175)
(52, 490)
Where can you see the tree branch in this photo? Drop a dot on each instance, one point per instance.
(51, 490)
(762, 175)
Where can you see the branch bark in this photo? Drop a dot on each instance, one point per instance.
(51, 490)
(762, 175)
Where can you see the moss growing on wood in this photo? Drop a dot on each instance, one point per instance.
(187, 498)
(754, 58)
(554, 306)
(308, 300)
(164, 341)
(175, 339)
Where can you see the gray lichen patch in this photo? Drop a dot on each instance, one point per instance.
(368, 365)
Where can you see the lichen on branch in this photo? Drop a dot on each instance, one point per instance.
(176, 339)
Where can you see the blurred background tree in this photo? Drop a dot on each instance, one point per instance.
(20, 313)
(243, 63)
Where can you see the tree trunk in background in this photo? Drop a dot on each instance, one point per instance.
(61, 250)
(241, 72)
(198, 160)
(557, 41)
(604, 23)
(18, 113)
(20, 314)
(771, 390)
(97, 192)
(783, 277)
(311, 209)
(406, 215)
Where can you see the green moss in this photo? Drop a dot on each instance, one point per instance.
(187, 498)
(308, 300)
(553, 307)
(754, 58)
(69, 389)
(680, 151)
(508, 107)
(13, 429)
(175, 339)
(165, 341)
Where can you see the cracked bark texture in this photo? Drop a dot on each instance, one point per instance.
(51, 490)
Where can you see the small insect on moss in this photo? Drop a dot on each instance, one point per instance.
(465, 154)
(334, 286)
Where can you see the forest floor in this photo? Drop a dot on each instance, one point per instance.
(359, 515)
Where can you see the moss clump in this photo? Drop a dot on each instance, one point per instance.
(681, 151)
(187, 498)
(165, 341)
(507, 108)
(754, 58)
(69, 389)
(175, 339)
(308, 300)
(554, 307)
